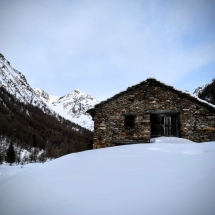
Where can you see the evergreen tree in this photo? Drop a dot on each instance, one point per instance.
(10, 154)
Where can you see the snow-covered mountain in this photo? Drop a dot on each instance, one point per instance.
(16, 84)
(206, 92)
(72, 106)
(49, 99)
(198, 90)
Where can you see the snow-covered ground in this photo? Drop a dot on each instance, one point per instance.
(164, 177)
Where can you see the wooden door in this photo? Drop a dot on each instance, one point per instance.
(164, 125)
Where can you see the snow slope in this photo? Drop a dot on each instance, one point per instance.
(72, 106)
(16, 84)
(152, 179)
(207, 92)
(45, 96)
(199, 90)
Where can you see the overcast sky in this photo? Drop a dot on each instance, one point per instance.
(102, 47)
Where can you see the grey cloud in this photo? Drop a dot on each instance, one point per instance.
(91, 44)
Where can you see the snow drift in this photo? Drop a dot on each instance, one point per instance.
(154, 179)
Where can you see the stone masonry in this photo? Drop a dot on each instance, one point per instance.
(196, 118)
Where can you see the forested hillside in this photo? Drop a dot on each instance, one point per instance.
(28, 126)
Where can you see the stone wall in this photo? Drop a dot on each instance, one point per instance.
(196, 122)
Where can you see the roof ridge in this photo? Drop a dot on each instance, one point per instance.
(188, 95)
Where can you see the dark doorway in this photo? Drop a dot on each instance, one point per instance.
(164, 125)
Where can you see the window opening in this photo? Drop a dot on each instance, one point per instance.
(129, 121)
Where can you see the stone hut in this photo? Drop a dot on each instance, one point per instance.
(151, 109)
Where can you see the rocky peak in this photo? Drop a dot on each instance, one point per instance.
(206, 92)
(16, 84)
(72, 106)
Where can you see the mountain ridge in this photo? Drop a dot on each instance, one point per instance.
(16, 84)
(31, 123)
(206, 92)
(72, 106)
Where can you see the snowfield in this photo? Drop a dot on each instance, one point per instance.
(160, 178)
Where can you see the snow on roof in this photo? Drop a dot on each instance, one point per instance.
(201, 100)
